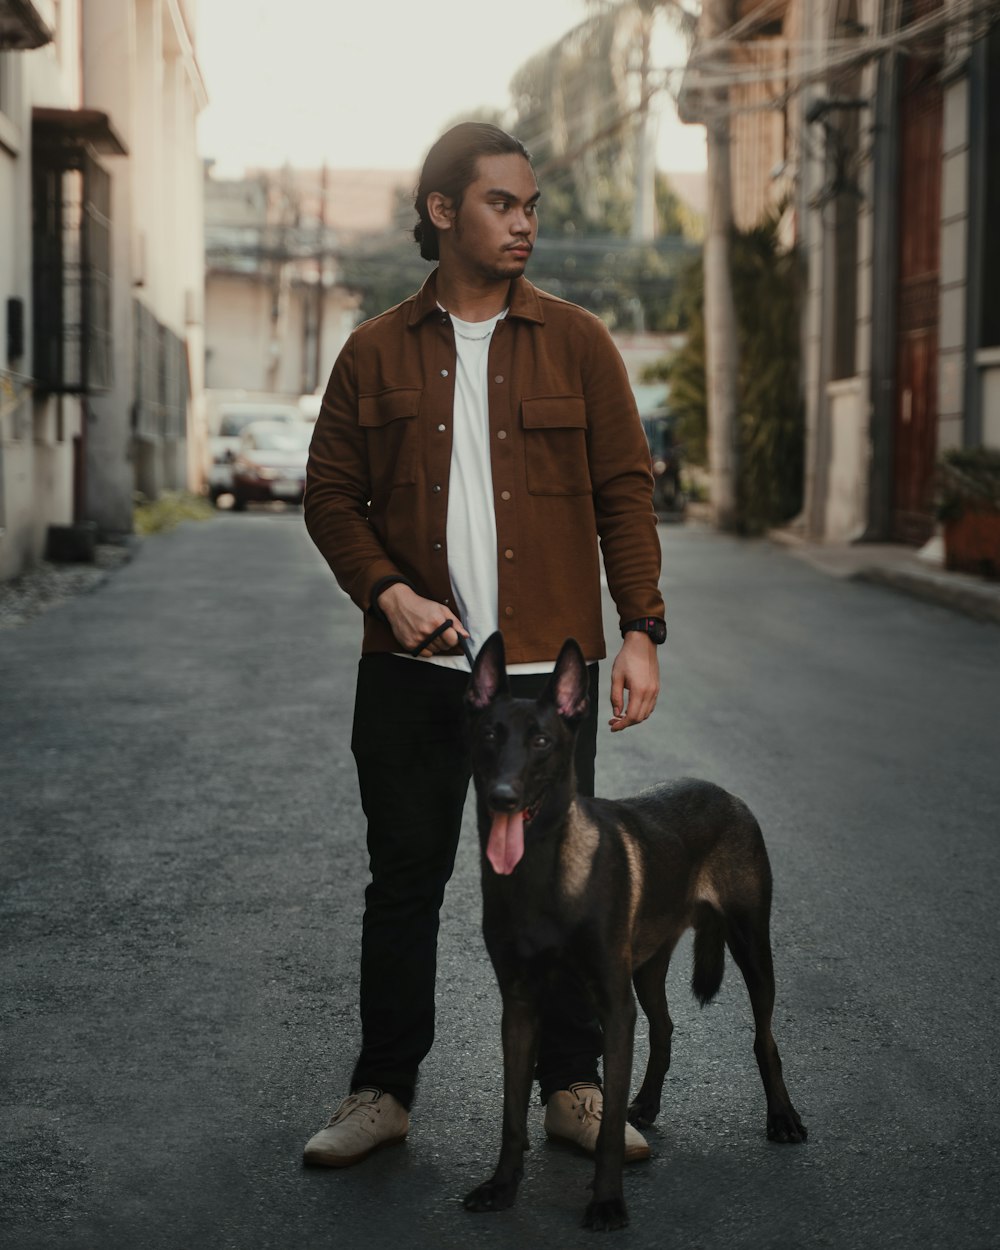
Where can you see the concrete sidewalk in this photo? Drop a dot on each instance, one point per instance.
(901, 568)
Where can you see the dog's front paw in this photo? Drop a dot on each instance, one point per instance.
(605, 1215)
(643, 1114)
(785, 1126)
(494, 1195)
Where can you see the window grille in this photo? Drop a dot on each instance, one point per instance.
(71, 203)
(161, 379)
(6, 82)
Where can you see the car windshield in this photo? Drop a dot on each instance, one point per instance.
(234, 423)
(294, 438)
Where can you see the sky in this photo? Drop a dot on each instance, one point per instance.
(369, 84)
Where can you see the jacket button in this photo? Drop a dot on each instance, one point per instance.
(508, 611)
(505, 494)
(509, 554)
(498, 378)
(437, 546)
(442, 428)
(444, 373)
(501, 433)
(436, 489)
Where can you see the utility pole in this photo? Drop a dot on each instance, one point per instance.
(316, 376)
(721, 344)
(644, 204)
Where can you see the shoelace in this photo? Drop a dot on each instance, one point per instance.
(590, 1105)
(353, 1102)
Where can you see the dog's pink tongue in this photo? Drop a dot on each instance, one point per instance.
(506, 843)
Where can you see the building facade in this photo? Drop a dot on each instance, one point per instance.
(876, 124)
(276, 313)
(101, 263)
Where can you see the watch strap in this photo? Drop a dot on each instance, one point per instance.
(654, 627)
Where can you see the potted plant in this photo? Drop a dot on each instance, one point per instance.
(968, 504)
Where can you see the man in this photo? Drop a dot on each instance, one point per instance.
(475, 445)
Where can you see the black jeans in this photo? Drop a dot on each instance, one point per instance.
(410, 746)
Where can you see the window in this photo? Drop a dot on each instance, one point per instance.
(8, 85)
(843, 145)
(989, 314)
(71, 229)
(161, 379)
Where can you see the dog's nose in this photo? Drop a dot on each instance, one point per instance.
(504, 797)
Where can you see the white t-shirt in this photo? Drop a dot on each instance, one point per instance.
(472, 526)
(472, 522)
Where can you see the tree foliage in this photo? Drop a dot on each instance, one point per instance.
(575, 107)
(767, 288)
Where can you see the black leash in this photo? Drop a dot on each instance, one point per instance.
(441, 629)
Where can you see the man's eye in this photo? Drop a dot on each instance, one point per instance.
(501, 206)
(531, 209)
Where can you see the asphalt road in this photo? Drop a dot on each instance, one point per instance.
(183, 863)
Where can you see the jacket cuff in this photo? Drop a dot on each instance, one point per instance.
(384, 584)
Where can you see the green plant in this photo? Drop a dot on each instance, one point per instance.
(767, 285)
(155, 516)
(968, 478)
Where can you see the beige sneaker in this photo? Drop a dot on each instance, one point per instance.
(574, 1115)
(364, 1121)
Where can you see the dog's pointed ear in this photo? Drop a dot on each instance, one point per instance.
(569, 685)
(489, 674)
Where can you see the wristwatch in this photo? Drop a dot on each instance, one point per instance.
(652, 626)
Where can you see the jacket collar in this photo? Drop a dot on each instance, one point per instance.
(524, 301)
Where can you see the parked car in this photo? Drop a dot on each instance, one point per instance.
(271, 463)
(224, 442)
(659, 424)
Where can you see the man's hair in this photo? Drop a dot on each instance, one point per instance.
(450, 166)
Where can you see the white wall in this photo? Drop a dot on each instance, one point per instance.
(239, 334)
(37, 431)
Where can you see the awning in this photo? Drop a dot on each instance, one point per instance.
(77, 128)
(22, 26)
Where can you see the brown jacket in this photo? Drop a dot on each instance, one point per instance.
(570, 465)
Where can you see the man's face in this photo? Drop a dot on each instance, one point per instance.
(494, 230)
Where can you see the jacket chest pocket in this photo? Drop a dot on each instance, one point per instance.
(555, 445)
(388, 419)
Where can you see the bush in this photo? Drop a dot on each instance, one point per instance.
(968, 478)
(159, 515)
(767, 286)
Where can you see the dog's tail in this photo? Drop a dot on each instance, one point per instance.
(709, 954)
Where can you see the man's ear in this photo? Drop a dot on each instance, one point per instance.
(569, 685)
(441, 210)
(489, 674)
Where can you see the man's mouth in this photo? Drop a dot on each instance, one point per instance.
(519, 249)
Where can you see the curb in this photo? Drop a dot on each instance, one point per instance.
(967, 598)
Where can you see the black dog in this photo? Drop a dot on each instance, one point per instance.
(608, 887)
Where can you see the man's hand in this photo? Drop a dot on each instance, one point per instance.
(637, 670)
(414, 618)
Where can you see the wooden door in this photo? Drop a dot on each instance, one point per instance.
(916, 399)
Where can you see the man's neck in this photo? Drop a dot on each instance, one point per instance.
(471, 301)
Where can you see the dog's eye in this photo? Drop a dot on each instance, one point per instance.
(540, 741)
(489, 734)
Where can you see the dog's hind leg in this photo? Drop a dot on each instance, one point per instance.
(650, 983)
(520, 1045)
(750, 946)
